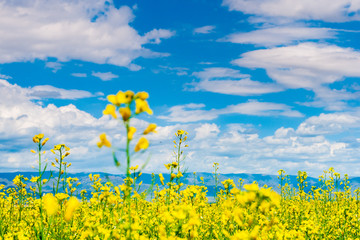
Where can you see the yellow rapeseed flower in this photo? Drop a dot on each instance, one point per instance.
(110, 110)
(71, 207)
(129, 96)
(150, 128)
(161, 178)
(180, 132)
(142, 144)
(167, 166)
(45, 141)
(134, 168)
(142, 95)
(103, 141)
(251, 187)
(131, 132)
(51, 204)
(113, 99)
(38, 137)
(142, 106)
(125, 113)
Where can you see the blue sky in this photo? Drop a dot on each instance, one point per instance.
(259, 85)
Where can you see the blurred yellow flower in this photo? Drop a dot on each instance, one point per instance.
(131, 132)
(45, 141)
(134, 168)
(110, 110)
(113, 99)
(161, 178)
(251, 187)
(51, 204)
(129, 95)
(150, 128)
(71, 207)
(142, 95)
(103, 141)
(142, 106)
(38, 137)
(125, 113)
(142, 144)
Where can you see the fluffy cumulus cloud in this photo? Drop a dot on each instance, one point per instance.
(309, 66)
(93, 31)
(196, 112)
(330, 123)
(326, 10)
(275, 36)
(21, 118)
(231, 81)
(237, 147)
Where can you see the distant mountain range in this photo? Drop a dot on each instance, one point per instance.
(188, 179)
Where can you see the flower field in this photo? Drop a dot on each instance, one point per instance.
(170, 210)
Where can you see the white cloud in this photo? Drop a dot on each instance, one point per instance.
(55, 66)
(204, 29)
(81, 75)
(329, 123)
(189, 113)
(21, 118)
(180, 71)
(45, 91)
(195, 112)
(104, 76)
(5, 76)
(93, 31)
(326, 10)
(310, 66)
(237, 147)
(280, 35)
(155, 35)
(207, 131)
(231, 81)
(219, 73)
(256, 108)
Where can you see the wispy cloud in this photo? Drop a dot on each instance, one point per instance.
(204, 30)
(104, 76)
(46, 92)
(55, 66)
(340, 10)
(195, 112)
(80, 75)
(231, 81)
(279, 35)
(309, 66)
(3, 76)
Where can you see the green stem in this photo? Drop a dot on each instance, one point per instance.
(59, 177)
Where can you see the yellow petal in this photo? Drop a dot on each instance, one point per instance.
(113, 100)
(110, 110)
(150, 128)
(131, 132)
(142, 95)
(125, 113)
(142, 144)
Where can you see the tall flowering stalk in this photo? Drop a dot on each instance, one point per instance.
(124, 106)
(181, 136)
(40, 142)
(62, 151)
